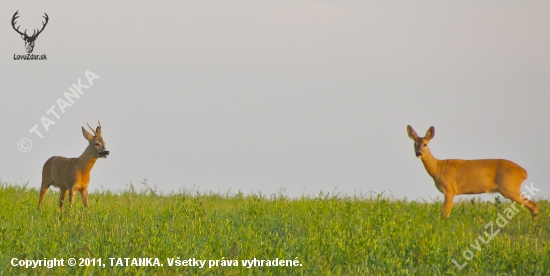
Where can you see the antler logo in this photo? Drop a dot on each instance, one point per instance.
(29, 40)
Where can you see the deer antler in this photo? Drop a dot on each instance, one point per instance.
(15, 16)
(43, 25)
(98, 129)
(35, 33)
(95, 133)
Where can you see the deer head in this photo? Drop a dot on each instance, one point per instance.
(97, 145)
(421, 143)
(29, 40)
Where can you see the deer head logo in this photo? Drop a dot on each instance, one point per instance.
(29, 40)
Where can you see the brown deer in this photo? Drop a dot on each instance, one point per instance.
(72, 175)
(457, 177)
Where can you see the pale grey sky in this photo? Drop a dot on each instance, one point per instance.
(259, 95)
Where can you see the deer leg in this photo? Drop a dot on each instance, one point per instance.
(447, 205)
(71, 196)
(43, 191)
(84, 196)
(62, 195)
(532, 206)
(47, 181)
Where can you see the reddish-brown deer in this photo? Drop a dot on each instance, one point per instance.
(457, 177)
(72, 175)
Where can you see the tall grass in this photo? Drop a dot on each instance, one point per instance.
(359, 235)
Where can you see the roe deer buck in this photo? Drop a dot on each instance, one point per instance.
(456, 177)
(71, 175)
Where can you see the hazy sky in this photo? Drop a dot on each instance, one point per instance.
(259, 95)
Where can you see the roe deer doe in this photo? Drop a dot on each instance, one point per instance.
(72, 175)
(456, 177)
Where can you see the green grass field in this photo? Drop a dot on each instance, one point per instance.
(362, 235)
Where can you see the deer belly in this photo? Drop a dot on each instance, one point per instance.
(477, 187)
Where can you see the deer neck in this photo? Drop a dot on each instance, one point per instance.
(87, 160)
(430, 163)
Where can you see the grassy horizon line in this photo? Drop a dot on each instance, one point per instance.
(328, 234)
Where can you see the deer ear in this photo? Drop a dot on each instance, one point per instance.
(412, 134)
(23, 36)
(430, 133)
(87, 135)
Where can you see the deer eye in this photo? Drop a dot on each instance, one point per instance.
(425, 144)
(97, 144)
